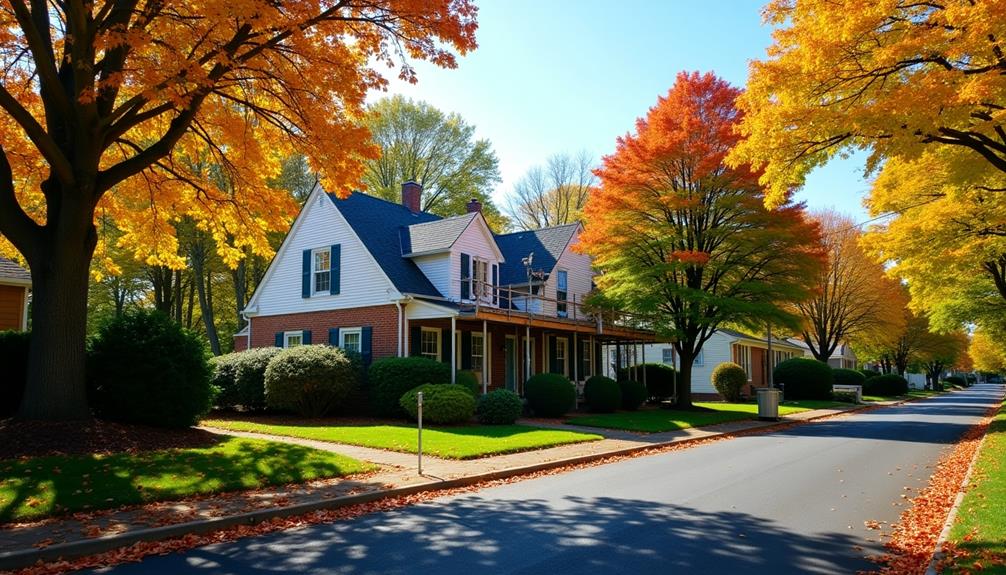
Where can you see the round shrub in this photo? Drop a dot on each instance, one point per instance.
(868, 373)
(309, 379)
(499, 407)
(729, 378)
(390, 377)
(550, 394)
(14, 359)
(469, 381)
(633, 394)
(442, 404)
(240, 377)
(804, 378)
(602, 394)
(955, 380)
(887, 385)
(659, 378)
(847, 377)
(144, 368)
(223, 369)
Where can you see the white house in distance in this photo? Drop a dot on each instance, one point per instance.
(15, 281)
(842, 358)
(725, 345)
(387, 279)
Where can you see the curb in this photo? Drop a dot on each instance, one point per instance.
(21, 558)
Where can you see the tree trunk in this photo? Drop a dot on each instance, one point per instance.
(205, 305)
(684, 380)
(238, 275)
(192, 305)
(56, 388)
(178, 297)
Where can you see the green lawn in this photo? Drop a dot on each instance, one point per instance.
(657, 420)
(468, 442)
(980, 528)
(38, 487)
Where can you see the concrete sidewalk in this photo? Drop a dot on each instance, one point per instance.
(85, 534)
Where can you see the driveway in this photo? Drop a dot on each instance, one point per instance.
(792, 501)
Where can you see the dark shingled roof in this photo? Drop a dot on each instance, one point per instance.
(434, 236)
(11, 271)
(379, 225)
(547, 244)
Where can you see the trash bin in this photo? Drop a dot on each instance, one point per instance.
(768, 403)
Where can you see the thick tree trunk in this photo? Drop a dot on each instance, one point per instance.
(684, 380)
(238, 275)
(198, 260)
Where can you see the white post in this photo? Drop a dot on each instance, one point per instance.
(419, 450)
(527, 354)
(408, 350)
(485, 355)
(575, 366)
(454, 354)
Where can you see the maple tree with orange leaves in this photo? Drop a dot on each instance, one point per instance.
(149, 111)
(686, 239)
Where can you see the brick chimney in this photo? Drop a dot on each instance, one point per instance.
(411, 193)
(474, 206)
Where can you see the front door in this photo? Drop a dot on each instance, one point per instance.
(510, 355)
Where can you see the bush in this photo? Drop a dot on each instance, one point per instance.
(499, 407)
(940, 385)
(240, 377)
(729, 378)
(442, 404)
(603, 394)
(633, 394)
(144, 368)
(223, 371)
(847, 377)
(868, 373)
(391, 377)
(659, 378)
(14, 359)
(887, 385)
(469, 381)
(955, 380)
(309, 379)
(804, 378)
(550, 394)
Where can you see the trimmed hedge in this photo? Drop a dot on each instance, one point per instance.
(603, 394)
(633, 394)
(391, 377)
(145, 368)
(659, 378)
(14, 359)
(499, 407)
(729, 378)
(847, 377)
(240, 377)
(469, 381)
(957, 380)
(887, 385)
(309, 379)
(442, 404)
(868, 373)
(550, 394)
(804, 378)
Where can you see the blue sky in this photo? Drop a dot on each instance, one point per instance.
(554, 76)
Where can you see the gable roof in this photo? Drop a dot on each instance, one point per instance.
(436, 236)
(378, 224)
(742, 335)
(9, 270)
(547, 245)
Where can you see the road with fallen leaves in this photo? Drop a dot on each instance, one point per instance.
(816, 498)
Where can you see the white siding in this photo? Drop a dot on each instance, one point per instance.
(579, 278)
(477, 242)
(362, 282)
(436, 267)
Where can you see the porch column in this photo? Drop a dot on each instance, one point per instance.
(454, 344)
(405, 338)
(618, 358)
(644, 364)
(593, 364)
(485, 355)
(527, 354)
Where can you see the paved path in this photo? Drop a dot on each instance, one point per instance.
(792, 501)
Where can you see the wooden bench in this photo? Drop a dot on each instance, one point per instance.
(854, 389)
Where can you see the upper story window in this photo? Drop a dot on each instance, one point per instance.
(561, 286)
(430, 343)
(322, 276)
(480, 269)
(349, 339)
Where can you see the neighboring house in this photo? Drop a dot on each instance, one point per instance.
(386, 279)
(725, 345)
(15, 281)
(842, 358)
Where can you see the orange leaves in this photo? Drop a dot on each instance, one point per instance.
(688, 257)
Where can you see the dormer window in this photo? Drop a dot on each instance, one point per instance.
(561, 284)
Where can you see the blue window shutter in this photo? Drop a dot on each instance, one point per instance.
(306, 337)
(336, 270)
(366, 337)
(496, 281)
(415, 341)
(333, 336)
(305, 280)
(445, 345)
(466, 350)
(279, 339)
(466, 272)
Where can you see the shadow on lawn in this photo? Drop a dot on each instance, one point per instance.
(570, 535)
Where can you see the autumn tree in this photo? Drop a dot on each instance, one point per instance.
(987, 352)
(420, 143)
(106, 104)
(939, 352)
(687, 240)
(893, 78)
(895, 350)
(553, 194)
(853, 296)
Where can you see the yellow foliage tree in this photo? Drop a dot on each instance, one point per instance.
(986, 353)
(150, 111)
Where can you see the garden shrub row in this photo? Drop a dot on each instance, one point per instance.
(887, 385)
(804, 378)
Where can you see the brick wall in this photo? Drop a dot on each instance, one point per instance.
(382, 318)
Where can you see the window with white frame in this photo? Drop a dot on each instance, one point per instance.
(667, 355)
(561, 285)
(322, 270)
(293, 338)
(430, 343)
(480, 271)
(350, 339)
(585, 352)
(478, 350)
(560, 353)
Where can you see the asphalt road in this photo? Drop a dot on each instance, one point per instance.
(793, 501)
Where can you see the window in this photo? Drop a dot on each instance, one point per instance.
(481, 274)
(322, 270)
(478, 350)
(585, 356)
(293, 338)
(349, 339)
(560, 354)
(700, 358)
(667, 355)
(561, 284)
(430, 343)
(744, 359)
